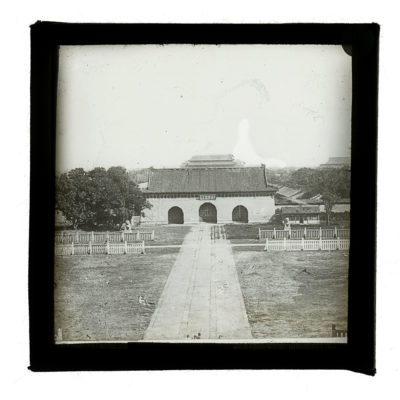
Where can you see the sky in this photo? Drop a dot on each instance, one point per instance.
(150, 105)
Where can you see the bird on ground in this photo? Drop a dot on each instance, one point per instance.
(142, 300)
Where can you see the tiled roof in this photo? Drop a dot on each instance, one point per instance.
(288, 191)
(339, 160)
(320, 201)
(208, 180)
(213, 157)
(300, 210)
(284, 201)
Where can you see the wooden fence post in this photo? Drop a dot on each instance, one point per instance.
(92, 236)
(152, 235)
(266, 245)
(90, 247)
(320, 232)
(77, 236)
(259, 233)
(143, 249)
(302, 243)
(274, 233)
(320, 243)
(72, 248)
(335, 231)
(305, 232)
(337, 243)
(126, 247)
(108, 246)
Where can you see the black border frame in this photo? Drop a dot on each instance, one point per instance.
(359, 40)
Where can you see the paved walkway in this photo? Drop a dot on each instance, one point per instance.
(178, 246)
(202, 294)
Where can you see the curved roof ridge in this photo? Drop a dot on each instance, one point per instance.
(192, 180)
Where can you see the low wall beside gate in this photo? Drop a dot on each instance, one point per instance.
(99, 248)
(305, 245)
(103, 237)
(306, 233)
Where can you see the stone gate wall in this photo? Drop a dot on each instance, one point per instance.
(260, 208)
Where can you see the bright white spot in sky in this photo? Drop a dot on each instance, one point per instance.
(244, 149)
(148, 105)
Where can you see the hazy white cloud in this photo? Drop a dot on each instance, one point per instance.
(140, 106)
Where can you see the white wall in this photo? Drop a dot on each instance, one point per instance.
(260, 209)
(306, 221)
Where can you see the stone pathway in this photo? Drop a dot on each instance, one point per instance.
(202, 296)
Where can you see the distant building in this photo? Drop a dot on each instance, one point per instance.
(341, 205)
(289, 192)
(213, 160)
(307, 215)
(209, 189)
(288, 196)
(337, 162)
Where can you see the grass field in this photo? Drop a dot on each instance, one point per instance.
(96, 297)
(167, 234)
(244, 231)
(286, 294)
(293, 294)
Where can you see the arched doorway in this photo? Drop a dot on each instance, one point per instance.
(208, 213)
(240, 214)
(175, 215)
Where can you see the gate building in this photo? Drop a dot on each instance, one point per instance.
(209, 192)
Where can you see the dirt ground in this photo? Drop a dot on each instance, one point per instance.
(293, 294)
(97, 297)
(286, 294)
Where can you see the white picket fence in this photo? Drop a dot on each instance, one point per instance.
(102, 237)
(304, 244)
(99, 248)
(306, 233)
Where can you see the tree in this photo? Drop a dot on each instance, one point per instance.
(329, 198)
(331, 184)
(74, 197)
(98, 198)
(100, 189)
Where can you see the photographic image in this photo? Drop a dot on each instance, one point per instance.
(202, 193)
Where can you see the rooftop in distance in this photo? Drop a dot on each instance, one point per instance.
(337, 162)
(212, 161)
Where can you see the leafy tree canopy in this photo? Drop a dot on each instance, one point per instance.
(98, 198)
(331, 184)
(319, 181)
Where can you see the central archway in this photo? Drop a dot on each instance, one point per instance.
(240, 214)
(175, 215)
(208, 213)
